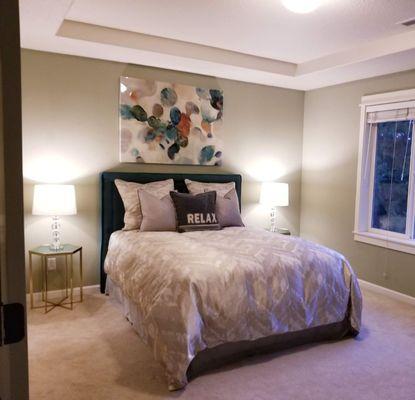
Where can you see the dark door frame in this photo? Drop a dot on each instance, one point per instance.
(14, 360)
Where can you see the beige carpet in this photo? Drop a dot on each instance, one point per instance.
(93, 353)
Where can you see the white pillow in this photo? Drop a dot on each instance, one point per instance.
(221, 189)
(129, 195)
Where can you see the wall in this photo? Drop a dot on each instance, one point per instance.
(330, 147)
(70, 134)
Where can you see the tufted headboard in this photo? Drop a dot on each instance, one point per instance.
(112, 208)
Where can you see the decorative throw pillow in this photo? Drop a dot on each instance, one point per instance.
(129, 196)
(158, 214)
(222, 189)
(195, 212)
(227, 210)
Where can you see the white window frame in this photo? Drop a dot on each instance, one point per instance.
(363, 231)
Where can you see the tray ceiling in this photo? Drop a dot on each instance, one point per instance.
(255, 41)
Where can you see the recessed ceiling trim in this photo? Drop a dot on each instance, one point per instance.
(133, 40)
(374, 49)
(139, 41)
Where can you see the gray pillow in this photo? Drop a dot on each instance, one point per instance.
(227, 210)
(158, 214)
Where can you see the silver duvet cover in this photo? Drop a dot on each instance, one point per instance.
(197, 290)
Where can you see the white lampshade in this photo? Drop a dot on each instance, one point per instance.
(54, 200)
(274, 194)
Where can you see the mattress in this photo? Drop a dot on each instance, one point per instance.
(195, 291)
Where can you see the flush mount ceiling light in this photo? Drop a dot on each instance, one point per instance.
(301, 6)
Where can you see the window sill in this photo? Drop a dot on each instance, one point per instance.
(403, 245)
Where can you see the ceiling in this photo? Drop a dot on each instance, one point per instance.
(255, 41)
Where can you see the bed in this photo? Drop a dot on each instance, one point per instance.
(205, 298)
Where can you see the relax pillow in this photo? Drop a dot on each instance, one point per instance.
(227, 210)
(129, 196)
(195, 212)
(158, 214)
(222, 189)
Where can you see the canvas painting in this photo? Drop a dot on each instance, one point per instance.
(168, 123)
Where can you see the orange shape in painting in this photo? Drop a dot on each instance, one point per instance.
(184, 125)
(134, 95)
(206, 126)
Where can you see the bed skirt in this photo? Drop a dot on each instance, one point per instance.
(228, 353)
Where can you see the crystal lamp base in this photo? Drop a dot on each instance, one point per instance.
(56, 234)
(273, 218)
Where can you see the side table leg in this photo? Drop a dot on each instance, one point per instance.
(42, 276)
(31, 280)
(66, 275)
(71, 267)
(45, 263)
(81, 287)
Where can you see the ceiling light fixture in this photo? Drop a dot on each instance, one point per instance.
(301, 6)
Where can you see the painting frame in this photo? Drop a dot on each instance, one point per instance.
(169, 123)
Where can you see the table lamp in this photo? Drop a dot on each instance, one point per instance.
(274, 194)
(54, 201)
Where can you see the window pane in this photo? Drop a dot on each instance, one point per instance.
(391, 180)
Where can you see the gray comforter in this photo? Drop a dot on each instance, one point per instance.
(197, 290)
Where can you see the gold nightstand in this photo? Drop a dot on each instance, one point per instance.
(45, 252)
(281, 231)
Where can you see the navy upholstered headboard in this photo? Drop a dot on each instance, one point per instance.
(112, 208)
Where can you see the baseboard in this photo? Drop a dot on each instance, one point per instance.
(37, 296)
(392, 294)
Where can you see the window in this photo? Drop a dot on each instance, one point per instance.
(391, 176)
(385, 203)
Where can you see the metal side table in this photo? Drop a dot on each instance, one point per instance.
(45, 252)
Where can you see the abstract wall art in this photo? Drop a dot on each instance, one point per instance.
(168, 123)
